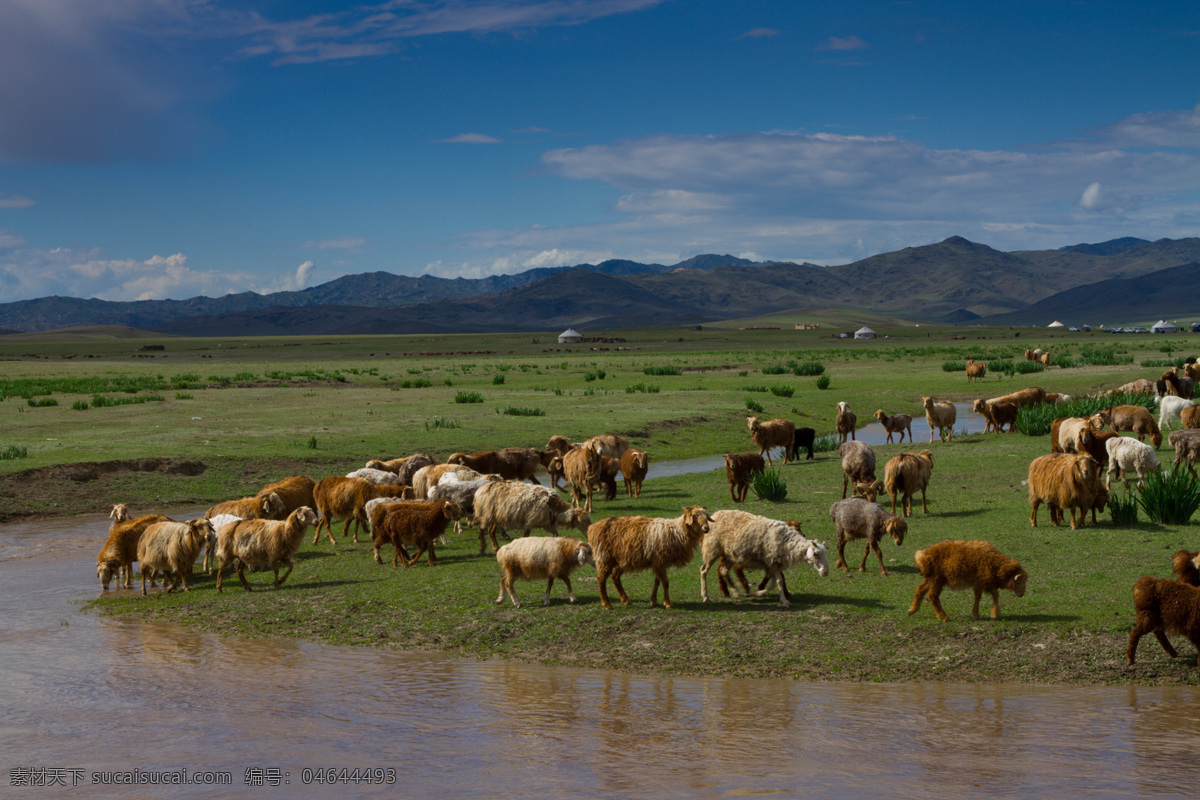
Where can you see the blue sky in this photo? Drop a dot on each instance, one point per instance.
(171, 148)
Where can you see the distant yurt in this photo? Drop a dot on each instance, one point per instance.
(1162, 326)
(864, 333)
(1056, 324)
(570, 336)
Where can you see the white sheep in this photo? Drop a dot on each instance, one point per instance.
(210, 544)
(747, 540)
(502, 506)
(940, 414)
(541, 557)
(379, 477)
(1125, 455)
(171, 547)
(1171, 407)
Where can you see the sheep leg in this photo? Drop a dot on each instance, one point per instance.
(773, 571)
(841, 548)
(241, 573)
(922, 590)
(1033, 512)
(924, 507)
(616, 579)
(704, 578)
(845, 482)
(278, 580)
(549, 583)
(935, 598)
(506, 586)
(432, 556)
(872, 545)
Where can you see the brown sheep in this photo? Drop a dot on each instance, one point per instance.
(1140, 386)
(1025, 397)
(634, 464)
(1130, 418)
(776, 433)
(895, 423)
(393, 465)
(845, 422)
(957, 564)
(940, 414)
(120, 551)
(1164, 606)
(418, 522)
(739, 471)
(511, 463)
(533, 559)
(904, 475)
(997, 415)
(1186, 566)
(631, 544)
(581, 468)
(858, 519)
(555, 470)
(172, 547)
(346, 498)
(1190, 417)
(507, 505)
(610, 468)
(975, 371)
(262, 543)
(561, 445)
(295, 491)
(268, 506)
(858, 465)
(118, 513)
(1065, 481)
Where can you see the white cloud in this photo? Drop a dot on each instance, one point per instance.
(15, 201)
(470, 138)
(760, 33)
(843, 43)
(344, 243)
(1091, 196)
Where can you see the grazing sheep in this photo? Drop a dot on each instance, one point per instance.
(634, 465)
(414, 464)
(171, 547)
(296, 491)
(1030, 396)
(1065, 481)
(806, 438)
(858, 465)
(379, 477)
(263, 543)
(776, 433)
(858, 519)
(1190, 417)
(1074, 434)
(510, 506)
(461, 492)
(581, 468)
(116, 558)
(738, 539)
(997, 415)
(1057, 398)
(905, 474)
(393, 465)
(268, 506)
(845, 422)
(610, 468)
(555, 470)
(1187, 448)
(346, 498)
(895, 423)
(940, 414)
(1140, 386)
(975, 371)
(1164, 606)
(631, 544)
(534, 559)
(958, 564)
(739, 471)
(417, 522)
(1126, 455)
(1135, 419)
(1170, 408)
(1186, 566)
(430, 475)
(510, 463)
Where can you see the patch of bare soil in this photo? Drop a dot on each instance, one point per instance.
(86, 487)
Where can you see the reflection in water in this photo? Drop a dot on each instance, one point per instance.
(94, 694)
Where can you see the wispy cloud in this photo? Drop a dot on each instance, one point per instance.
(842, 43)
(760, 33)
(15, 201)
(344, 243)
(470, 138)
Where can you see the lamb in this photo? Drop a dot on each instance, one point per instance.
(975, 371)
(1170, 408)
(1130, 418)
(534, 559)
(503, 505)
(295, 491)
(379, 477)
(859, 519)
(741, 540)
(739, 471)
(171, 547)
(905, 474)
(555, 470)
(845, 422)
(581, 468)
(1164, 606)
(262, 543)
(510, 463)
(894, 423)
(997, 415)
(958, 564)
(1065, 481)
(940, 414)
(858, 465)
(121, 550)
(806, 438)
(1186, 566)
(418, 522)
(1190, 417)
(268, 506)
(776, 433)
(1187, 448)
(634, 465)
(346, 498)
(430, 475)
(1126, 455)
(1030, 396)
(631, 544)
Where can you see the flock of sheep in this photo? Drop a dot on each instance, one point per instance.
(410, 502)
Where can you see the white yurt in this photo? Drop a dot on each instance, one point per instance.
(1162, 326)
(864, 333)
(570, 336)
(1056, 324)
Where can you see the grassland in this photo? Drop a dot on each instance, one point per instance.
(238, 413)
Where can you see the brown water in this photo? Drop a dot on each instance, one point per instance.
(91, 694)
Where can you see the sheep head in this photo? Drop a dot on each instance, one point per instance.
(928, 456)
(843, 407)
(927, 402)
(753, 423)
(271, 506)
(583, 555)
(119, 512)
(879, 415)
(578, 518)
(868, 490)
(696, 519)
(1017, 582)
(105, 571)
(817, 554)
(457, 458)
(896, 528)
(452, 510)
(305, 516)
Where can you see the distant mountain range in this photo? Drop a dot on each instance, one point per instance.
(951, 281)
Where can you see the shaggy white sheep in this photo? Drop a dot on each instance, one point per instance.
(1126, 455)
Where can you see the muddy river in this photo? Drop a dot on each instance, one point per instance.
(88, 705)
